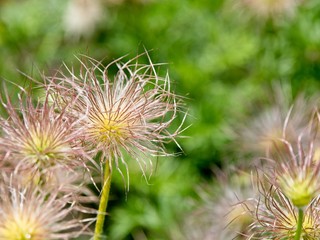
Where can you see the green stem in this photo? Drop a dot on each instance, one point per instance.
(299, 226)
(103, 202)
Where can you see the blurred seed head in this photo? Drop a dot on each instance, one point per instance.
(81, 17)
(270, 8)
(72, 182)
(262, 136)
(294, 168)
(224, 212)
(128, 114)
(119, 2)
(27, 212)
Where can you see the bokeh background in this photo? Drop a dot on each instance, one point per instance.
(230, 59)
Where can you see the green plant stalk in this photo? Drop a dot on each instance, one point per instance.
(299, 226)
(103, 202)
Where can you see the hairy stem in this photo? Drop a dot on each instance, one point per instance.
(103, 202)
(299, 225)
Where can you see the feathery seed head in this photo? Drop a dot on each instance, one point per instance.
(131, 112)
(29, 213)
(40, 139)
(220, 215)
(276, 217)
(297, 174)
(267, 129)
(286, 118)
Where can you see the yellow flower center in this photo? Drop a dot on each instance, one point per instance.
(106, 128)
(21, 228)
(239, 217)
(299, 191)
(110, 128)
(307, 225)
(41, 148)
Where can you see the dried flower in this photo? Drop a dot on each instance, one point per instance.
(297, 174)
(263, 134)
(130, 113)
(31, 213)
(276, 217)
(41, 139)
(220, 216)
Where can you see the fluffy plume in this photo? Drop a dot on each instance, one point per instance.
(220, 216)
(277, 218)
(37, 138)
(127, 114)
(27, 212)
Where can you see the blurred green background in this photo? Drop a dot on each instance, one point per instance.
(225, 56)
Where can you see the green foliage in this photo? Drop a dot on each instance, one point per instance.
(153, 209)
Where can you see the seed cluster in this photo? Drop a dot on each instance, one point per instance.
(53, 147)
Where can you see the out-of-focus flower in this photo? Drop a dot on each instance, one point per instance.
(37, 138)
(130, 113)
(118, 2)
(262, 136)
(81, 17)
(68, 182)
(224, 213)
(27, 212)
(270, 8)
(276, 217)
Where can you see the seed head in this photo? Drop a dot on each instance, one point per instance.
(38, 138)
(224, 212)
(29, 213)
(265, 131)
(297, 175)
(130, 113)
(276, 217)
